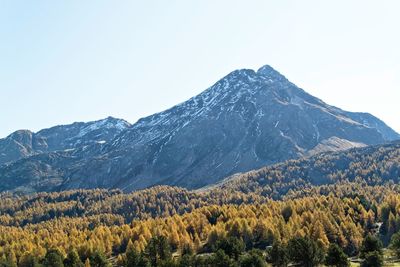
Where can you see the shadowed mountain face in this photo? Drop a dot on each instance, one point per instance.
(245, 121)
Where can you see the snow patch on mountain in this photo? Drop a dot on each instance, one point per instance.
(108, 123)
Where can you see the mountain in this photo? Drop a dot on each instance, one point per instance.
(247, 120)
(24, 143)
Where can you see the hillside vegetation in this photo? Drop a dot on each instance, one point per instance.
(332, 198)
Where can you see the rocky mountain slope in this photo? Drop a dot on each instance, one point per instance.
(245, 121)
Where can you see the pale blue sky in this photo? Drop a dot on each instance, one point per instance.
(66, 61)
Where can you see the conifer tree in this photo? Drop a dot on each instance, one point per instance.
(336, 257)
(53, 258)
(252, 259)
(98, 259)
(278, 255)
(220, 259)
(72, 259)
(372, 259)
(305, 251)
(133, 257)
(370, 244)
(158, 250)
(395, 244)
(232, 247)
(28, 260)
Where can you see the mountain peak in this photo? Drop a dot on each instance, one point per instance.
(112, 122)
(269, 72)
(17, 135)
(264, 71)
(240, 74)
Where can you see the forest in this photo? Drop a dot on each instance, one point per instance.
(168, 233)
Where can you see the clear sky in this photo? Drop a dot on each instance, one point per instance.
(66, 61)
